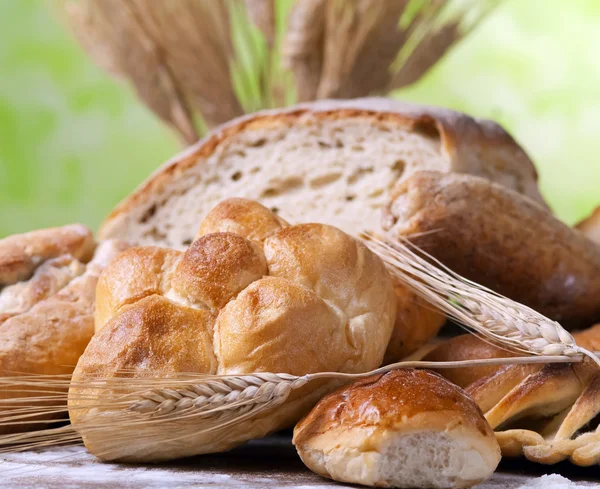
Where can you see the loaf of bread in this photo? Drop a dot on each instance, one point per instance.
(48, 320)
(251, 294)
(406, 428)
(502, 240)
(546, 413)
(590, 226)
(332, 162)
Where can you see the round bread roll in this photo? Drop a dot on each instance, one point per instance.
(260, 297)
(406, 428)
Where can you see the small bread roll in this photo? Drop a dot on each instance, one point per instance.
(406, 428)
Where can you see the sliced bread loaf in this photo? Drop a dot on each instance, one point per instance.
(333, 162)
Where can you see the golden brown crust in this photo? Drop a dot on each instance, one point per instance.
(389, 401)
(417, 322)
(590, 226)
(502, 240)
(466, 347)
(131, 276)
(216, 268)
(152, 337)
(464, 139)
(241, 216)
(21, 254)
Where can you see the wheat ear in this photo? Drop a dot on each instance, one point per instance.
(496, 318)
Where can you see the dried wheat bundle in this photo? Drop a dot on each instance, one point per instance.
(495, 318)
(199, 63)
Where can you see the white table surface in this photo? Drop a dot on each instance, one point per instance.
(265, 463)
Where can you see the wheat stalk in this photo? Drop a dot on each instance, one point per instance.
(219, 401)
(496, 318)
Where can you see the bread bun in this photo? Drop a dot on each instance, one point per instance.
(406, 428)
(502, 240)
(48, 322)
(275, 298)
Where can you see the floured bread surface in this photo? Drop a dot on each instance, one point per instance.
(330, 163)
(406, 428)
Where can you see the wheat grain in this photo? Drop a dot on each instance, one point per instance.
(496, 318)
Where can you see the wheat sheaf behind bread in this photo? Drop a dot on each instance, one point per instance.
(293, 299)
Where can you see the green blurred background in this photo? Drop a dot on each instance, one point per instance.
(73, 141)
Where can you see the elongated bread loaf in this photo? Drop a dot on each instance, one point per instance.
(500, 239)
(407, 428)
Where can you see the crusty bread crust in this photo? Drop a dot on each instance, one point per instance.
(466, 347)
(502, 240)
(472, 145)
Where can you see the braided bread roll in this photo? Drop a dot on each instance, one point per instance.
(545, 413)
(251, 294)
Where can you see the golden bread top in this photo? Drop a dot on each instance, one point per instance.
(250, 294)
(391, 401)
